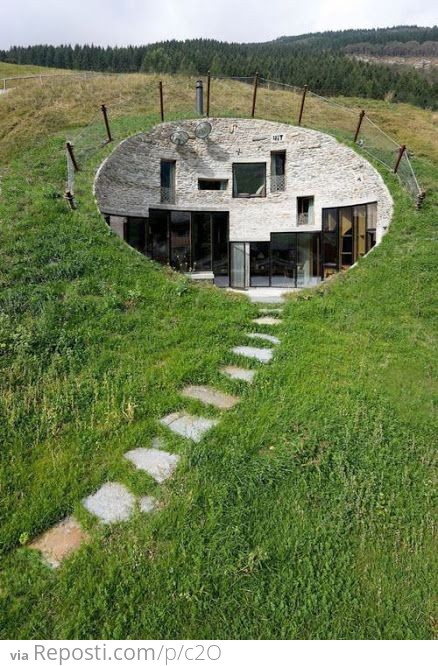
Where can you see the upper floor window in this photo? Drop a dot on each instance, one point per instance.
(278, 171)
(249, 179)
(167, 181)
(305, 210)
(212, 183)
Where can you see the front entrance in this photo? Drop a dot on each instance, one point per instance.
(289, 260)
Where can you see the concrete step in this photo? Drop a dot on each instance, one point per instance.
(186, 425)
(264, 336)
(238, 373)
(210, 396)
(267, 321)
(159, 464)
(262, 355)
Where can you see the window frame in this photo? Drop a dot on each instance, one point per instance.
(213, 180)
(249, 196)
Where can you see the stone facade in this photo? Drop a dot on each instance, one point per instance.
(128, 182)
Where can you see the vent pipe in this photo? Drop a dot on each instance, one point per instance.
(199, 97)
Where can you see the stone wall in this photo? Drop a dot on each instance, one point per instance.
(128, 182)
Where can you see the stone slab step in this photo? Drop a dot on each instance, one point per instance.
(264, 336)
(111, 503)
(60, 541)
(262, 355)
(239, 373)
(267, 321)
(159, 464)
(186, 425)
(210, 396)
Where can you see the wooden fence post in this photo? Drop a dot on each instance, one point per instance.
(160, 88)
(71, 202)
(208, 92)
(105, 120)
(303, 99)
(399, 157)
(69, 147)
(359, 124)
(254, 94)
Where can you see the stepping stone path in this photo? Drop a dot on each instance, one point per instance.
(111, 503)
(267, 321)
(262, 355)
(238, 373)
(60, 541)
(210, 396)
(264, 336)
(159, 464)
(186, 425)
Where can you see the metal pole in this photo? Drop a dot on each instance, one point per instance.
(69, 147)
(208, 92)
(160, 87)
(254, 94)
(399, 157)
(105, 119)
(359, 124)
(303, 98)
(199, 97)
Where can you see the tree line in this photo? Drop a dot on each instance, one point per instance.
(317, 60)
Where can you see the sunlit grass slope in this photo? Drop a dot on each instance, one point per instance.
(308, 512)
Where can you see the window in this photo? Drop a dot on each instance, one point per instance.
(278, 171)
(330, 253)
(249, 180)
(135, 233)
(212, 184)
(167, 181)
(305, 210)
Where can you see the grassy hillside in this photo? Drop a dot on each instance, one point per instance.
(308, 512)
(9, 69)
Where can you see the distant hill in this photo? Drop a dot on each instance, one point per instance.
(326, 61)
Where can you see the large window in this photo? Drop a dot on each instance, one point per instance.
(348, 233)
(259, 267)
(283, 259)
(249, 180)
(135, 233)
(201, 242)
(167, 181)
(190, 241)
(278, 171)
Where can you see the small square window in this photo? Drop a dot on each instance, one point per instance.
(249, 180)
(305, 207)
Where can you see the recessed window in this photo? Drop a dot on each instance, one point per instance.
(167, 181)
(278, 171)
(212, 183)
(249, 180)
(305, 210)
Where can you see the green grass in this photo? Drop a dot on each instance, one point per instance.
(307, 513)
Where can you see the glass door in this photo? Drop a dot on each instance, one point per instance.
(238, 265)
(180, 241)
(283, 259)
(259, 270)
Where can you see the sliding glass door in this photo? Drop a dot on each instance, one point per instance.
(238, 263)
(283, 260)
(259, 269)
